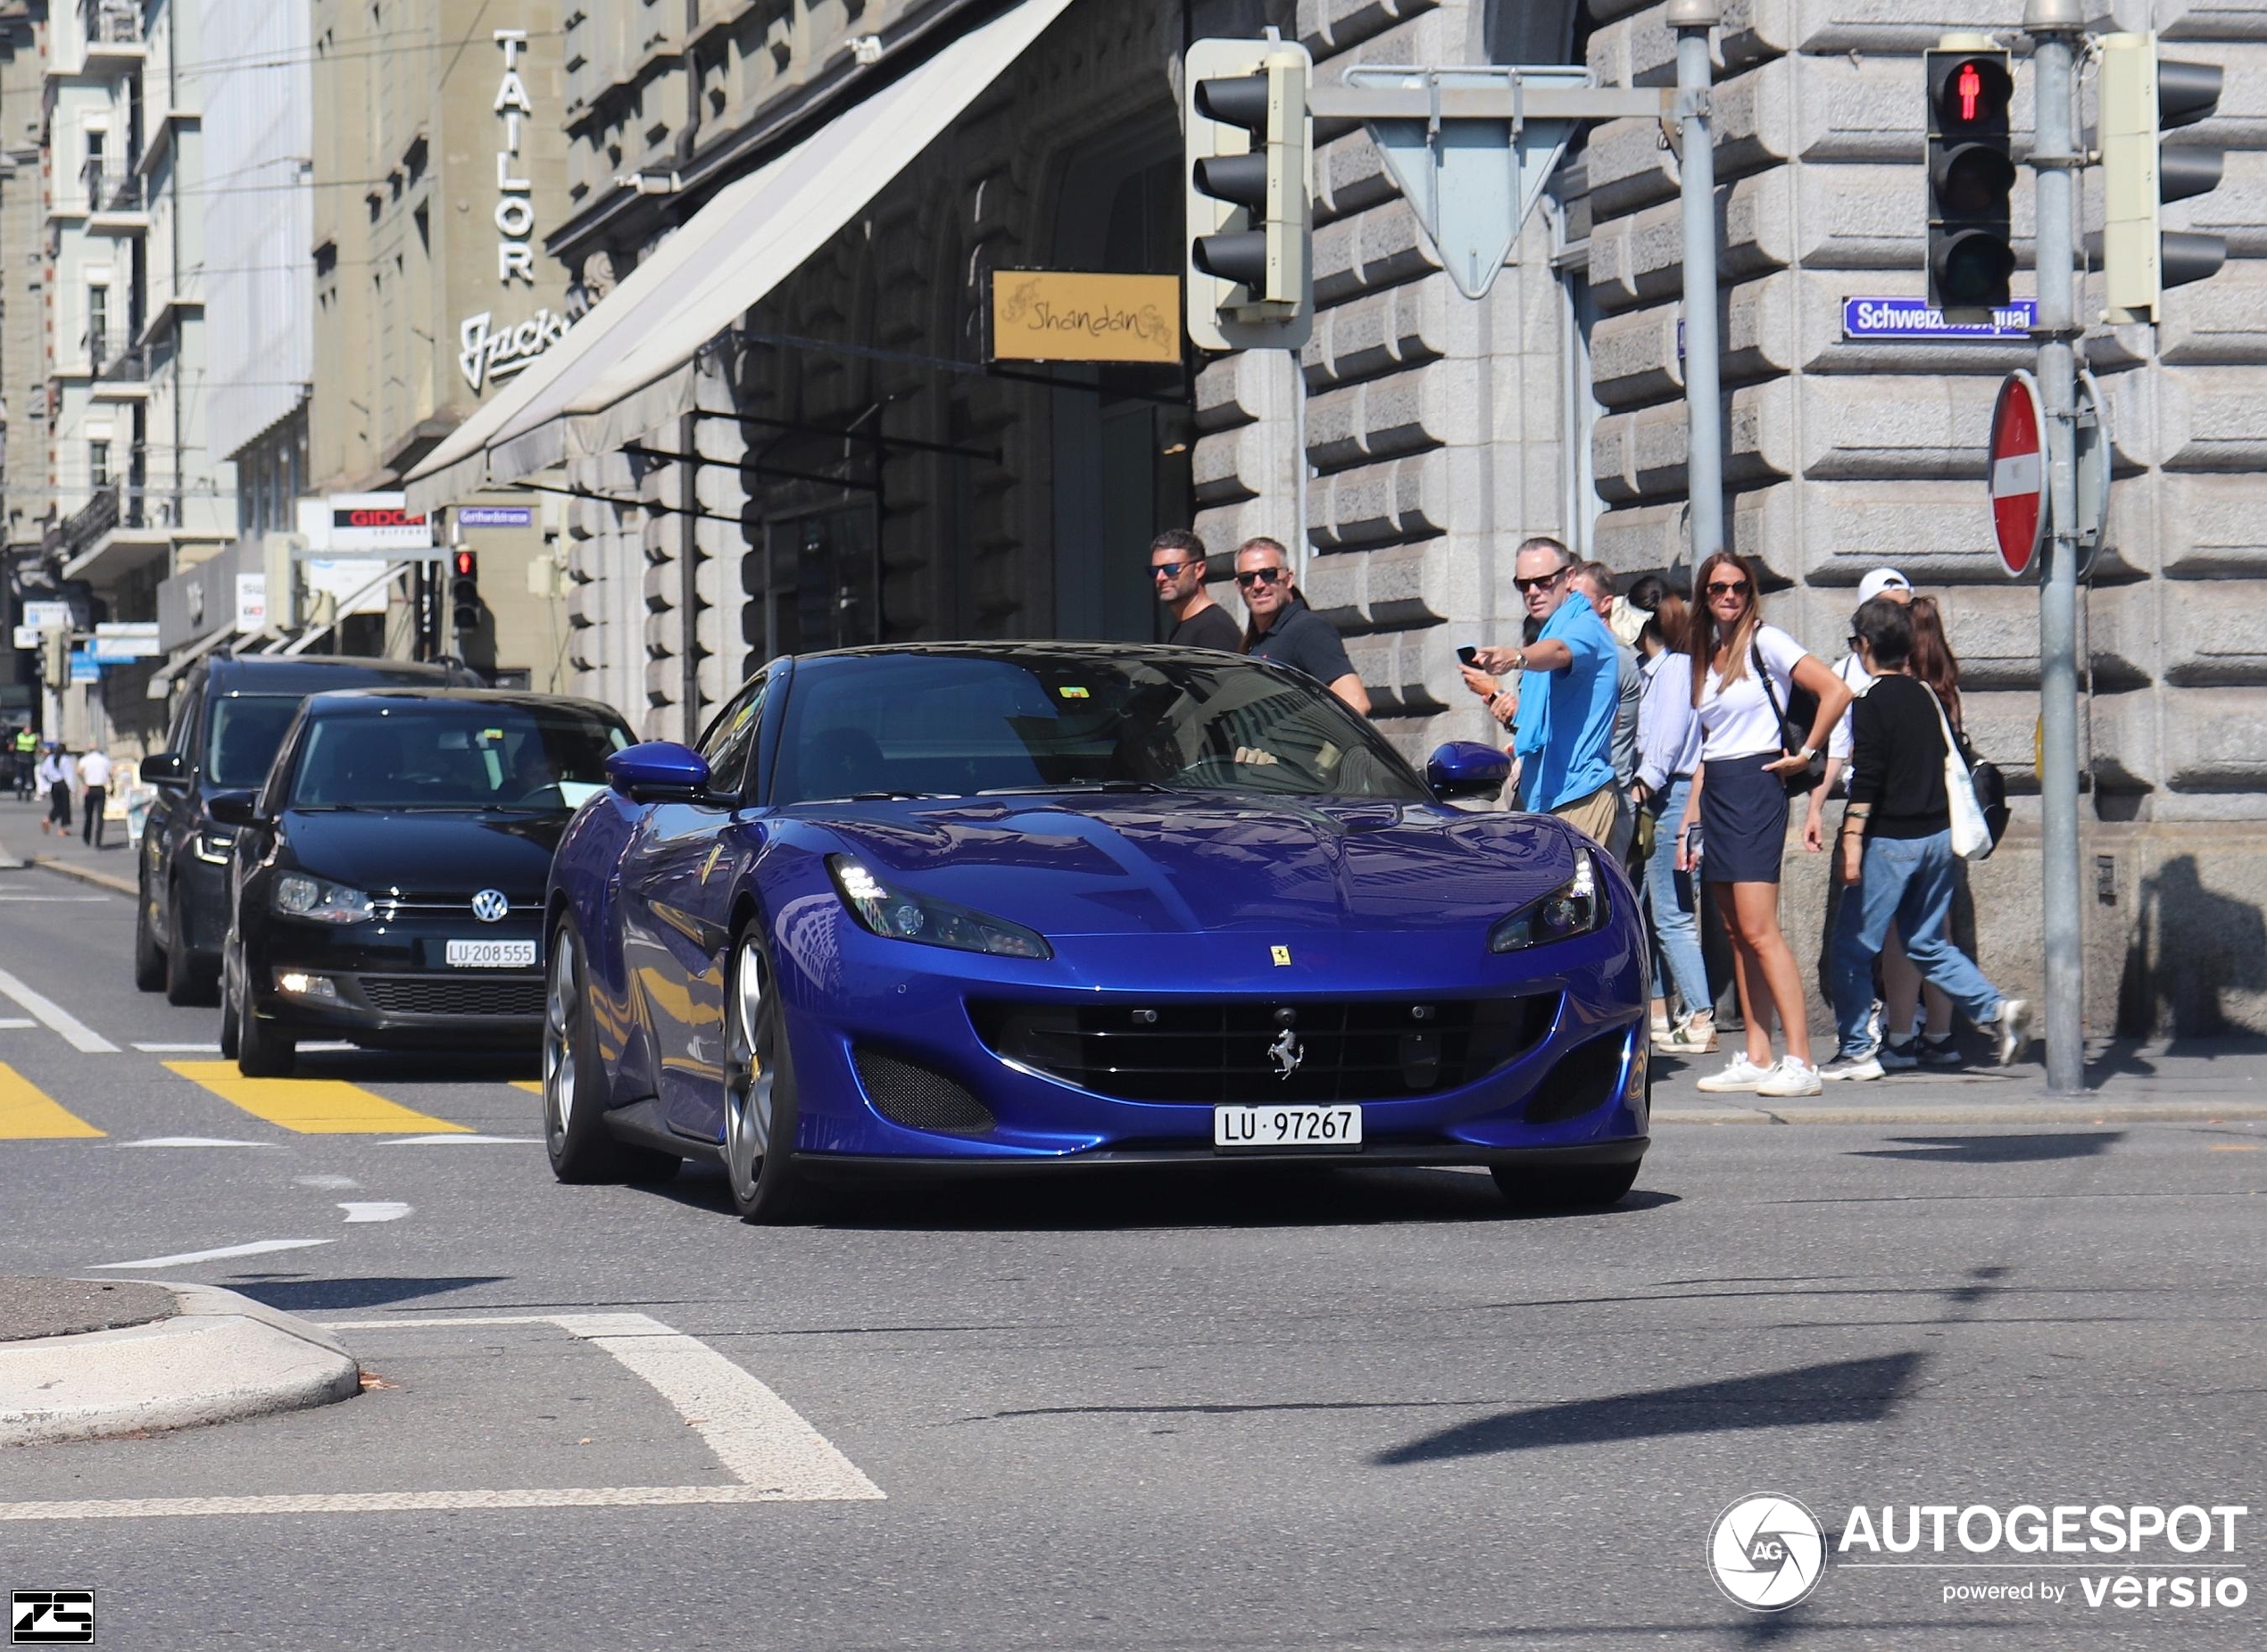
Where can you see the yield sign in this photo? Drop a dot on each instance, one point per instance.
(2018, 474)
(1471, 182)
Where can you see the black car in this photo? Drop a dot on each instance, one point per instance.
(387, 880)
(230, 719)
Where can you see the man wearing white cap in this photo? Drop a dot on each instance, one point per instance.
(1882, 582)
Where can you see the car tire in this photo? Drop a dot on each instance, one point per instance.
(263, 1048)
(149, 957)
(1565, 1187)
(187, 981)
(760, 1111)
(574, 1134)
(230, 1015)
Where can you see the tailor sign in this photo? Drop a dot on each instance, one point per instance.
(1055, 315)
(1878, 321)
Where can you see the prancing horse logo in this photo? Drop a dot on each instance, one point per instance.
(1285, 1054)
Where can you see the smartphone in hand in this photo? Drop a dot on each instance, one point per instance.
(1467, 655)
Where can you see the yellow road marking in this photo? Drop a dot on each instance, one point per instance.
(27, 1113)
(533, 1086)
(313, 1107)
(2235, 1147)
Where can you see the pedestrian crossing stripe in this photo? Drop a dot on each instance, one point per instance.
(313, 1107)
(27, 1113)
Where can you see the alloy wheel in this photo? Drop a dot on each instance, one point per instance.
(558, 1037)
(747, 1075)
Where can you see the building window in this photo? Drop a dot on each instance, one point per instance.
(98, 465)
(99, 325)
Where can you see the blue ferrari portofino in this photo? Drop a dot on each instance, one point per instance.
(987, 905)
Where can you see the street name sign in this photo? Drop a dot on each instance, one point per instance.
(2017, 475)
(1880, 320)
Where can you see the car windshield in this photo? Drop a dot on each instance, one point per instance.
(1042, 719)
(246, 731)
(453, 754)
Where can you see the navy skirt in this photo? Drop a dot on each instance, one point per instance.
(1743, 821)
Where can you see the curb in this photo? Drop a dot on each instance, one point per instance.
(222, 1357)
(85, 875)
(2078, 1112)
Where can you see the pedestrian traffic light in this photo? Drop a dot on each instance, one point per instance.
(1249, 146)
(464, 591)
(54, 657)
(2143, 97)
(1971, 177)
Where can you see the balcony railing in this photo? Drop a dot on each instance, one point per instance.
(121, 364)
(111, 23)
(111, 185)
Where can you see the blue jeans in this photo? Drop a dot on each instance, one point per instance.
(1673, 902)
(1908, 882)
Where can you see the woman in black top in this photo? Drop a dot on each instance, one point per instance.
(1895, 853)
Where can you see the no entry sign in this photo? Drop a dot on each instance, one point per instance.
(2018, 475)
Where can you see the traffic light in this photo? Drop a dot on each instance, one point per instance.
(464, 591)
(2142, 98)
(1248, 145)
(55, 658)
(1972, 175)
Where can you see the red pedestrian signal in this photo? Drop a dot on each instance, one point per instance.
(1971, 177)
(464, 591)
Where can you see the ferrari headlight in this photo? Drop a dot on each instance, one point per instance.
(901, 915)
(1575, 908)
(319, 900)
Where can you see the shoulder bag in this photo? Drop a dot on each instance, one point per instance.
(1972, 838)
(1798, 781)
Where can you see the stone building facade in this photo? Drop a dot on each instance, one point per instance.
(854, 472)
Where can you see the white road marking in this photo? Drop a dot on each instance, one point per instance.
(376, 1210)
(195, 1141)
(75, 1033)
(758, 1436)
(396, 1502)
(14, 1024)
(337, 1181)
(258, 1247)
(10, 894)
(463, 1140)
(179, 1050)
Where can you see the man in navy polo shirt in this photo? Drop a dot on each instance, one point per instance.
(1565, 736)
(1285, 630)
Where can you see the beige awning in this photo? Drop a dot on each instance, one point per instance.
(627, 369)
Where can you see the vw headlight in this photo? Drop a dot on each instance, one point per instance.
(213, 848)
(1575, 908)
(319, 900)
(901, 915)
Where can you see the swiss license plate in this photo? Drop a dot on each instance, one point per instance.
(1319, 1129)
(492, 955)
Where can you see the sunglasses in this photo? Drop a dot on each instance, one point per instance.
(1727, 587)
(1173, 571)
(1525, 585)
(1262, 576)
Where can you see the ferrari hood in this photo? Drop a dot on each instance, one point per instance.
(1076, 863)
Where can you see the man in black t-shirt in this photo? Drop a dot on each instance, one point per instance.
(1176, 568)
(1285, 630)
(1896, 854)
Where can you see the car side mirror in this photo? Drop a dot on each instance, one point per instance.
(659, 770)
(233, 809)
(1467, 769)
(168, 771)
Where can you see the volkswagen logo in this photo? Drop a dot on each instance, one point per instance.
(490, 907)
(1767, 1553)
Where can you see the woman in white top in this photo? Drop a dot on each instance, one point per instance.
(1739, 803)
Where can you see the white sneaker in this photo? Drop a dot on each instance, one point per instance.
(1741, 1075)
(1790, 1077)
(1694, 1035)
(2015, 1029)
(1850, 1068)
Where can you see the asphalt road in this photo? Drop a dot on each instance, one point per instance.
(1260, 1410)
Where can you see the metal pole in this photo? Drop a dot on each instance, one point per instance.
(1703, 402)
(2055, 27)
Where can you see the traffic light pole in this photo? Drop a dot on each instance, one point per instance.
(2056, 27)
(1696, 162)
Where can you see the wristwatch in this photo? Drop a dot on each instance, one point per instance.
(1807, 753)
(1519, 659)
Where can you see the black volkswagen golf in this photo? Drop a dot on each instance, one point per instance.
(387, 880)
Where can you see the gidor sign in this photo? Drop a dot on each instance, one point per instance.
(1052, 315)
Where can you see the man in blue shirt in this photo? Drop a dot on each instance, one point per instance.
(1564, 736)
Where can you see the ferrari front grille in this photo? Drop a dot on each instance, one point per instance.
(1255, 1051)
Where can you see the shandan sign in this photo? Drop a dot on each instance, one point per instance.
(1043, 315)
